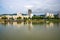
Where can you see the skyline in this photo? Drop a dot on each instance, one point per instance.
(13, 6)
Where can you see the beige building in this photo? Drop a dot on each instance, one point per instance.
(19, 14)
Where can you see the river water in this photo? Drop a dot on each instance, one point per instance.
(29, 31)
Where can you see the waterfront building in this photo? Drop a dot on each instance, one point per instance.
(19, 14)
(30, 13)
(51, 15)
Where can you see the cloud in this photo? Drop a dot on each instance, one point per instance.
(28, 6)
(23, 5)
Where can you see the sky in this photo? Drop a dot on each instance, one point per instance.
(14, 6)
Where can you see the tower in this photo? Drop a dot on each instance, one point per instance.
(30, 13)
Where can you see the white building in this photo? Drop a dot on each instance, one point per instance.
(51, 15)
(19, 14)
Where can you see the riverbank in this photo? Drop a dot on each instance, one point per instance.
(34, 21)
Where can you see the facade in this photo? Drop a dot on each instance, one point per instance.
(30, 13)
(19, 14)
(51, 15)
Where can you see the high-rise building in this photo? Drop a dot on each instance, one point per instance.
(30, 13)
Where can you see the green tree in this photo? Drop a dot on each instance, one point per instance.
(56, 17)
(4, 17)
(11, 18)
(18, 18)
(37, 17)
(25, 18)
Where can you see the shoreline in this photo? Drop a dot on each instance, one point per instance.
(34, 21)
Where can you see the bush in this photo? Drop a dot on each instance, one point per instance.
(38, 17)
(4, 17)
(18, 18)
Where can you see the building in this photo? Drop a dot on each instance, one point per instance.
(51, 15)
(30, 13)
(19, 14)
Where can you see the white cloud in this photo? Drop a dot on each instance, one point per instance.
(28, 6)
(23, 5)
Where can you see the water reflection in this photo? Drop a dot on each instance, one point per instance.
(50, 25)
(29, 30)
(30, 24)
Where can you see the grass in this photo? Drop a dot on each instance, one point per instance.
(38, 21)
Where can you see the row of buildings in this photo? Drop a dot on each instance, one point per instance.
(19, 14)
(52, 15)
(28, 15)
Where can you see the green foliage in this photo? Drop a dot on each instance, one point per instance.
(18, 18)
(11, 18)
(56, 17)
(4, 17)
(25, 18)
(37, 17)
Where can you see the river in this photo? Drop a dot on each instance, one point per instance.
(29, 31)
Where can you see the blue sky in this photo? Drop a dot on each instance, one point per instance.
(13, 6)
